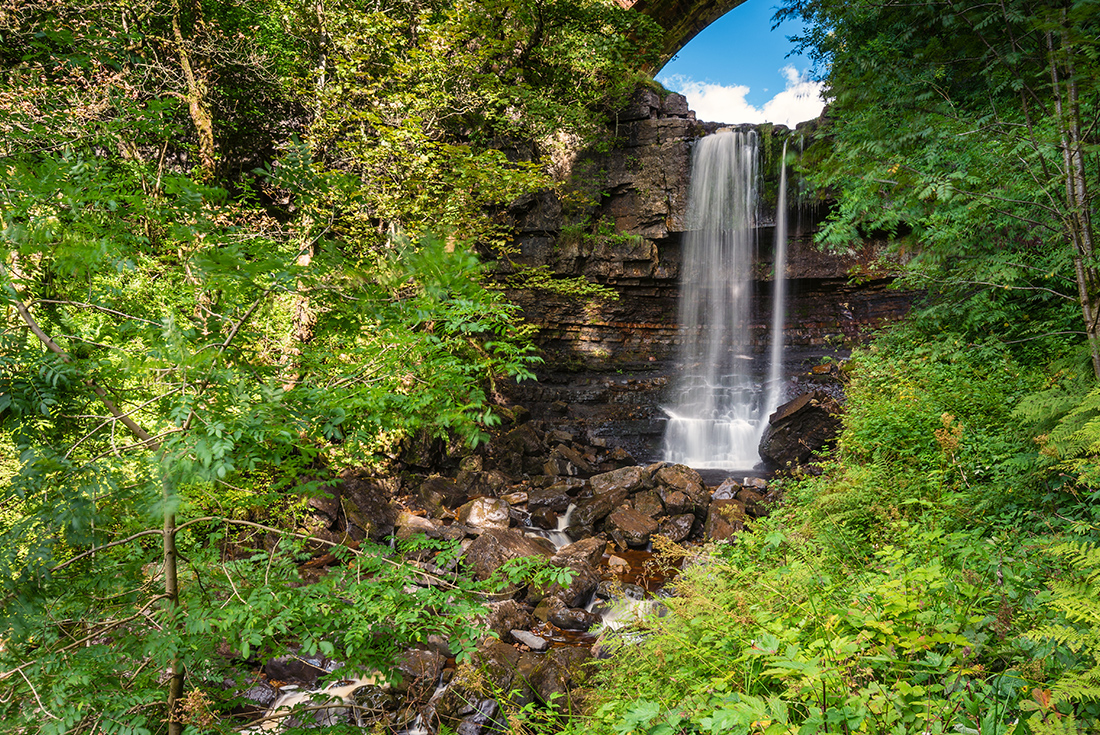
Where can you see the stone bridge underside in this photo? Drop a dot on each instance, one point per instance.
(681, 19)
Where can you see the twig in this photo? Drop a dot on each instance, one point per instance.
(36, 698)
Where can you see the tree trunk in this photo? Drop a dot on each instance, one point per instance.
(1078, 220)
(197, 103)
(171, 604)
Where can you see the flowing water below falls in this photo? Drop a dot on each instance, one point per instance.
(721, 400)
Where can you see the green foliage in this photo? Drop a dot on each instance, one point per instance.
(1076, 598)
(959, 129)
(929, 437)
(774, 635)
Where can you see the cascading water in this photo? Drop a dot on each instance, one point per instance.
(719, 412)
(779, 300)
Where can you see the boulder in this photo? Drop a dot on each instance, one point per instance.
(589, 551)
(555, 498)
(504, 616)
(724, 519)
(408, 525)
(441, 490)
(622, 481)
(419, 670)
(574, 618)
(564, 451)
(367, 505)
(576, 593)
(727, 490)
(486, 513)
(560, 677)
(754, 502)
(686, 480)
(799, 429)
(529, 639)
(545, 519)
(674, 501)
(677, 528)
(649, 503)
(630, 528)
(498, 545)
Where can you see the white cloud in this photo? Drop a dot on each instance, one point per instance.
(801, 100)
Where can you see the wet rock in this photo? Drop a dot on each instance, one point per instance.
(485, 513)
(620, 457)
(529, 639)
(504, 616)
(574, 618)
(687, 481)
(591, 511)
(554, 611)
(545, 519)
(756, 483)
(441, 490)
(724, 519)
(799, 429)
(630, 528)
(649, 503)
(559, 467)
(367, 504)
(675, 501)
(621, 482)
(560, 677)
(555, 497)
(485, 718)
(301, 670)
(589, 551)
(498, 545)
(727, 490)
(517, 498)
(754, 502)
(419, 670)
(573, 457)
(677, 528)
(584, 579)
(256, 699)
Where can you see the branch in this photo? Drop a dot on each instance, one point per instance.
(129, 423)
(1059, 294)
(104, 309)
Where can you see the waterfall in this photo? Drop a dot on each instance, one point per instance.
(719, 411)
(779, 300)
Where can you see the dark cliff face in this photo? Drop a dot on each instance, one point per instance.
(609, 362)
(630, 239)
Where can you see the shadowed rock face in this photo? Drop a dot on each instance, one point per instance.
(629, 240)
(681, 19)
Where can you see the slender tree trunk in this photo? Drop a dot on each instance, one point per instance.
(198, 105)
(1078, 221)
(171, 604)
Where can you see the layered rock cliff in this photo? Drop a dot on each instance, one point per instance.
(611, 358)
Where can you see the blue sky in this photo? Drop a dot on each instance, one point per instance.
(737, 70)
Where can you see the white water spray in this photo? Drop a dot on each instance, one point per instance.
(779, 302)
(719, 412)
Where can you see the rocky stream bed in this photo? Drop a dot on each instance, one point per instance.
(537, 490)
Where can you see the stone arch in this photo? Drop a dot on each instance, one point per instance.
(681, 19)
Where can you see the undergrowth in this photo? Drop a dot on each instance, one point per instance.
(938, 574)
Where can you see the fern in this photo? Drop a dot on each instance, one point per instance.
(1078, 600)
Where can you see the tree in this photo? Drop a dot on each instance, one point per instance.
(970, 129)
(184, 344)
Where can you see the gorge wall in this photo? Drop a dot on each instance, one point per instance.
(608, 360)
